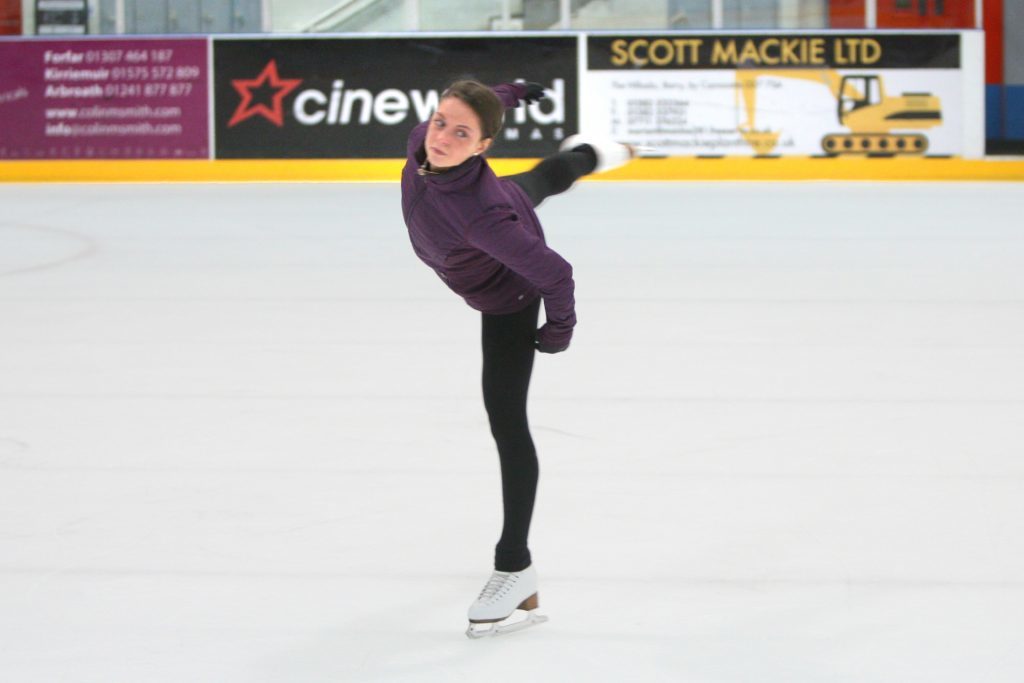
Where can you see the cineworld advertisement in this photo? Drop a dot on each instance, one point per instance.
(104, 99)
(829, 95)
(322, 98)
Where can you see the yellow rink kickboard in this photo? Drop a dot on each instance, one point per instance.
(389, 170)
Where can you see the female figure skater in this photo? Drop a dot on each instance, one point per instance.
(481, 235)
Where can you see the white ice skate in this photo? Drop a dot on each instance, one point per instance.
(495, 612)
(610, 154)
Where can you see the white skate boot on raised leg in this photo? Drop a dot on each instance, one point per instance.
(495, 612)
(610, 154)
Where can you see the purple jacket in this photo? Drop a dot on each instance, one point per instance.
(481, 235)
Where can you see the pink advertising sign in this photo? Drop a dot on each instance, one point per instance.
(104, 99)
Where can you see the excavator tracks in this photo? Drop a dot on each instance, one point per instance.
(874, 144)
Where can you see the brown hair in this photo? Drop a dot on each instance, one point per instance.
(482, 101)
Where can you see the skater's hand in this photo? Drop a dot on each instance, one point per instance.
(552, 339)
(534, 93)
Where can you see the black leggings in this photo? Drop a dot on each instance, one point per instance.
(508, 348)
(556, 173)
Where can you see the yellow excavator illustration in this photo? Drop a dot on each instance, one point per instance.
(863, 107)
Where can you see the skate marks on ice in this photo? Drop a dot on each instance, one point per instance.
(32, 248)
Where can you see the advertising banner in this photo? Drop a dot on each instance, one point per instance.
(833, 94)
(104, 99)
(359, 97)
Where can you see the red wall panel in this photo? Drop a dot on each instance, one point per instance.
(993, 22)
(846, 14)
(926, 13)
(10, 17)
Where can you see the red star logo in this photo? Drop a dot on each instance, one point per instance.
(281, 86)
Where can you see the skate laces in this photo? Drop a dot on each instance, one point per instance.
(499, 584)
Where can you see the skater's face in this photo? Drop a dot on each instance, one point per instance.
(454, 134)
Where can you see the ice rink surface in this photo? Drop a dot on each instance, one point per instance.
(241, 439)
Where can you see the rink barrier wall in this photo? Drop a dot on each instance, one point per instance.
(389, 170)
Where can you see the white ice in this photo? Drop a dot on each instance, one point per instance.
(241, 439)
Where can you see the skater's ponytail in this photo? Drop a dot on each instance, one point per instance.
(484, 103)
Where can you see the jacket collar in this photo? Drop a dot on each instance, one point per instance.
(454, 179)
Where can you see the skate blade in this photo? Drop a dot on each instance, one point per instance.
(490, 630)
(648, 152)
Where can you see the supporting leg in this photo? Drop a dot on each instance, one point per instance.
(508, 351)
